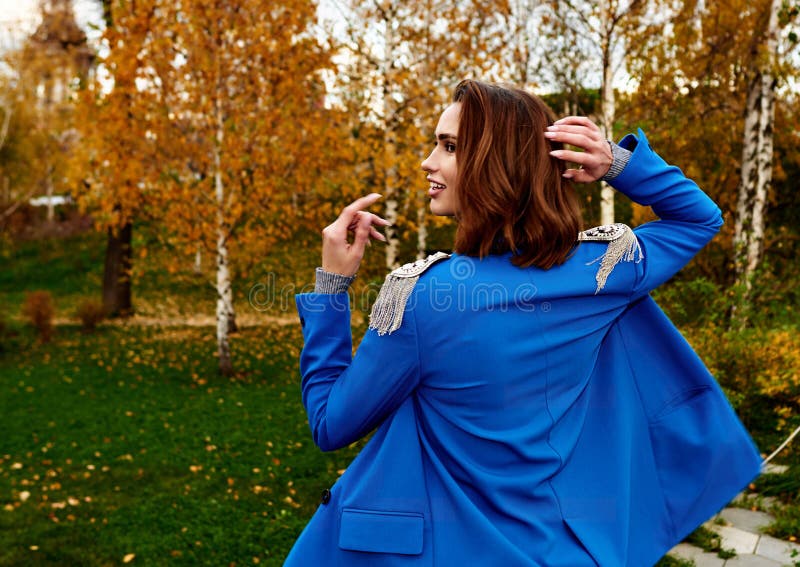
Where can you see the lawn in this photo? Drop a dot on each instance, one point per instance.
(126, 444)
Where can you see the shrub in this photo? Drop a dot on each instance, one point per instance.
(39, 310)
(759, 369)
(90, 313)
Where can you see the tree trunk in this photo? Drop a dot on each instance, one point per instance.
(608, 111)
(198, 261)
(48, 183)
(117, 273)
(224, 307)
(390, 188)
(756, 169)
(422, 231)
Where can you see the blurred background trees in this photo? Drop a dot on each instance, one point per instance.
(228, 133)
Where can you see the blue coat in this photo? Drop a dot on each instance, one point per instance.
(523, 417)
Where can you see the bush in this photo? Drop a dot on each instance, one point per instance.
(759, 369)
(39, 310)
(90, 313)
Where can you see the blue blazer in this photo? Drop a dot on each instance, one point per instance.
(523, 417)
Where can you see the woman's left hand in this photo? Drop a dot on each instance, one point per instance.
(596, 157)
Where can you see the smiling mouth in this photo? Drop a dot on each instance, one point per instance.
(435, 189)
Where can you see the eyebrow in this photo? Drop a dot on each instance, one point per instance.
(446, 137)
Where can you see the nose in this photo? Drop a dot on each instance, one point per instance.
(428, 165)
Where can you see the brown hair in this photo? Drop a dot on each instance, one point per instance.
(510, 194)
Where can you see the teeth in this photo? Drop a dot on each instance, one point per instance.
(437, 186)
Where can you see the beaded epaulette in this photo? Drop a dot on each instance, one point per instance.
(387, 312)
(622, 246)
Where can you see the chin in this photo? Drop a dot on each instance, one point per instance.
(441, 210)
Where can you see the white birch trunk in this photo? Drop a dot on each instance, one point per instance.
(198, 261)
(48, 183)
(422, 231)
(608, 111)
(756, 165)
(224, 312)
(390, 189)
(699, 12)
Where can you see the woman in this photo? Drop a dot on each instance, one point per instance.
(533, 406)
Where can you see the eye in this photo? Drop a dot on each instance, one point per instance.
(450, 147)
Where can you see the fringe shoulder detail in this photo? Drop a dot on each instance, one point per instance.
(387, 312)
(622, 246)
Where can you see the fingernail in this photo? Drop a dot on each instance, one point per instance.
(552, 127)
(550, 134)
(555, 153)
(567, 175)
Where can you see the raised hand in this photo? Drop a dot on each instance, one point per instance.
(339, 256)
(579, 131)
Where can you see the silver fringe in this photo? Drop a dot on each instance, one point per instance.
(624, 248)
(387, 312)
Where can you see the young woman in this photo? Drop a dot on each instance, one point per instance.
(533, 405)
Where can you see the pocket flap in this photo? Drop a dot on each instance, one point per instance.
(379, 531)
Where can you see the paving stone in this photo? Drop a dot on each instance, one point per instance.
(749, 500)
(746, 519)
(751, 561)
(700, 557)
(778, 550)
(741, 541)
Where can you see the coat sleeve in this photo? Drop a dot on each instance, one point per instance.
(688, 218)
(347, 396)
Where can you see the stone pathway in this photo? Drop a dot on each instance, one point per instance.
(741, 532)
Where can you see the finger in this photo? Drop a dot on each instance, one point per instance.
(373, 218)
(376, 235)
(360, 204)
(581, 158)
(576, 121)
(349, 215)
(580, 140)
(590, 133)
(361, 238)
(578, 175)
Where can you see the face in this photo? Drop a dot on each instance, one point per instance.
(440, 165)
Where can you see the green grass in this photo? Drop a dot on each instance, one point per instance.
(127, 442)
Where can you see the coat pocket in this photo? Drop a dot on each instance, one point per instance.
(380, 531)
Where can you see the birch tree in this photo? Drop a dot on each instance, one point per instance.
(757, 154)
(243, 102)
(698, 86)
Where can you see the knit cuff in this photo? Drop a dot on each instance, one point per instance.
(328, 282)
(621, 157)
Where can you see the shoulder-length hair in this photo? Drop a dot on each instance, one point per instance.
(510, 193)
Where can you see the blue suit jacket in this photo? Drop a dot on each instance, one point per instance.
(522, 418)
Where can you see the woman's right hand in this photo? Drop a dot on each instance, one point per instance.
(339, 256)
(596, 157)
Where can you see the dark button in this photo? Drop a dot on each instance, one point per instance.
(326, 496)
(302, 321)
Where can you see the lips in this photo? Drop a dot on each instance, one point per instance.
(435, 188)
